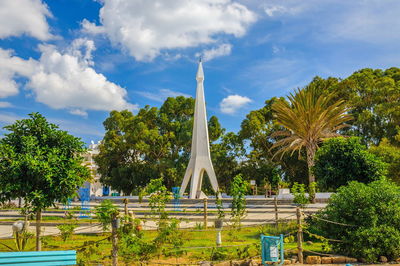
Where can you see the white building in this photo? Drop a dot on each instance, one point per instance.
(95, 187)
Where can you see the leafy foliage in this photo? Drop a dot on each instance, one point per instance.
(105, 213)
(371, 213)
(158, 197)
(341, 160)
(238, 190)
(66, 230)
(40, 163)
(299, 193)
(374, 95)
(390, 154)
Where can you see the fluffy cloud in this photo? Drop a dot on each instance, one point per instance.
(221, 50)
(63, 80)
(145, 28)
(10, 67)
(19, 17)
(232, 103)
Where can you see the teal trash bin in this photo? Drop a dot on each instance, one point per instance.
(272, 249)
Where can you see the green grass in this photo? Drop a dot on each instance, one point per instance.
(230, 236)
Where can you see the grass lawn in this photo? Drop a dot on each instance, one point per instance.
(96, 248)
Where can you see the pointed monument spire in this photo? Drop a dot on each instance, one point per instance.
(200, 158)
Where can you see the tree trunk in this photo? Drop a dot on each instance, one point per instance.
(310, 163)
(311, 149)
(38, 227)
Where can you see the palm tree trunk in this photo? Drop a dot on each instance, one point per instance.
(310, 162)
(311, 149)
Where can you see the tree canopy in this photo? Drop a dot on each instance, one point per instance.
(153, 143)
(341, 160)
(41, 164)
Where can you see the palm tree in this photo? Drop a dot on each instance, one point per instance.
(308, 118)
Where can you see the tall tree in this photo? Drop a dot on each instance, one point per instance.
(259, 165)
(41, 164)
(153, 143)
(308, 118)
(373, 95)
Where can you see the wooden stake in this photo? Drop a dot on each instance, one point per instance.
(299, 236)
(114, 238)
(126, 206)
(205, 213)
(38, 229)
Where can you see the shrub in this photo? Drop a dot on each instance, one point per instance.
(372, 211)
(66, 230)
(238, 190)
(341, 160)
(105, 212)
(299, 193)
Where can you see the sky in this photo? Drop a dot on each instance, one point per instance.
(76, 60)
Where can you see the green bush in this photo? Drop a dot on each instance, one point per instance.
(341, 160)
(299, 193)
(373, 213)
(105, 212)
(238, 190)
(66, 230)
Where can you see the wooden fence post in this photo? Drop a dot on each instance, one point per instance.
(276, 211)
(126, 206)
(114, 239)
(205, 213)
(299, 236)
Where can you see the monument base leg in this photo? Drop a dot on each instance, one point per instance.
(200, 195)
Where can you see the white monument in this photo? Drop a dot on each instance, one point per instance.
(200, 158)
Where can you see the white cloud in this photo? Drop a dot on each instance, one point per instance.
(232, 103)
(78, 112)
(28, 17)
(10, 67)
(273, 10)
(5, 105)
(221, 50)
(147, 28)
(161, 95)
(63, 80)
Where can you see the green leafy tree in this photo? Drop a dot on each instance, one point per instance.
(365, 219)
(341, 160)
(155, 142)
(389, 154)
(41, 164)
(373, 95)
(226, 154)
(308, 118)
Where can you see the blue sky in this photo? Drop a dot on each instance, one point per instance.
(75, 60)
